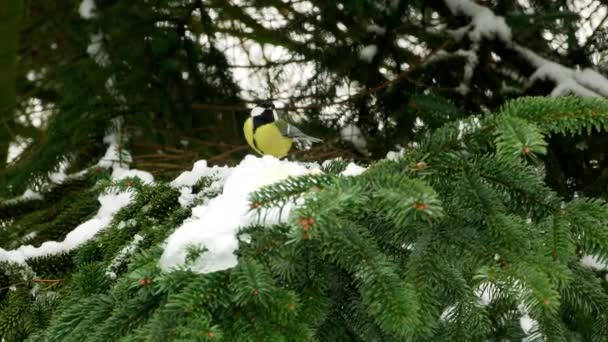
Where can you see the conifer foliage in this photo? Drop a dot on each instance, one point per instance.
(458, 239)
(489, 224)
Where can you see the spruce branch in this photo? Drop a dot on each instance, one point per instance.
(278, 194)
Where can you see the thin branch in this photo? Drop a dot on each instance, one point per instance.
(405, 75)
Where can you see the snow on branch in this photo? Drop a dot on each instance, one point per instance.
(110, 203)
(213, 229)
(565, 78)
(486, 24)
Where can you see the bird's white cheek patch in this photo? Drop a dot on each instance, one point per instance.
(257, 111)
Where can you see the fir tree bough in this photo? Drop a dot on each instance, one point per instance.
(459, 239)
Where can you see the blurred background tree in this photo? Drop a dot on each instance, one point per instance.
(184, 74)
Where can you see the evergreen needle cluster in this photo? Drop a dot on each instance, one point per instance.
(460, 239)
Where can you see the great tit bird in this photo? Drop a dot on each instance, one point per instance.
(267, 134)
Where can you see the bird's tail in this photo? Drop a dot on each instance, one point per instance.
(304, 142)
(310, 139)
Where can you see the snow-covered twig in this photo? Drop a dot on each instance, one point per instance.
(486, 24)
(214, 225)
(111, 203)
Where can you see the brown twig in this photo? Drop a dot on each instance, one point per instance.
(228, 152)
(35, 281)
(46, 281)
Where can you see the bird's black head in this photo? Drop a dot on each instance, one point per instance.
(263, 114)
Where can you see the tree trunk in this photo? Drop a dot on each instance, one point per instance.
(10, 13)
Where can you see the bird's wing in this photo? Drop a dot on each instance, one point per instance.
(301, 140)
(290, 131)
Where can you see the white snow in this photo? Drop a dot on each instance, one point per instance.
(119, 159)
(484, 23)
(215, 224)
(111, 203)
(96, 51)
(87, 9)
(486, 293)
(352, 133)
(353, 169)
(59, 176)
(593, 262)
(367, 53)
(395, 155)
(29, 194)
(17, 147)
(187, 179)
(563, 77)
(528, 324)
(199, 169)
(448, 313)
(592, 80)
(379, 30)
(124, 253)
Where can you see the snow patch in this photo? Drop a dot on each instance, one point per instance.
(111, 203)
(528, 324)
(118, 159)
(17, 147)
(59, 176)
(367, 53)
(353, 169)
(353, 134)
(486, 293)
(214, 225)
(593, 262)
(87, 9)
(379, 30)
(29, 194)
(484, 23)
(185, 181)
(395, 155)
(592, 80)
(565, 78)
(124, 253)
(448, 313)
(96, 51)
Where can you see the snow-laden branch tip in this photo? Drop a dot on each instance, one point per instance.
(353, 134)
(215, 224)
(486, 24)
(29, 194)
(87, 9)
(118, 159)
(185, 181)
(367, 53)
(110, 204)
(123, 255)
(594, 262)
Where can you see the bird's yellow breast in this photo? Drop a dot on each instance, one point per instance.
(267, 139)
